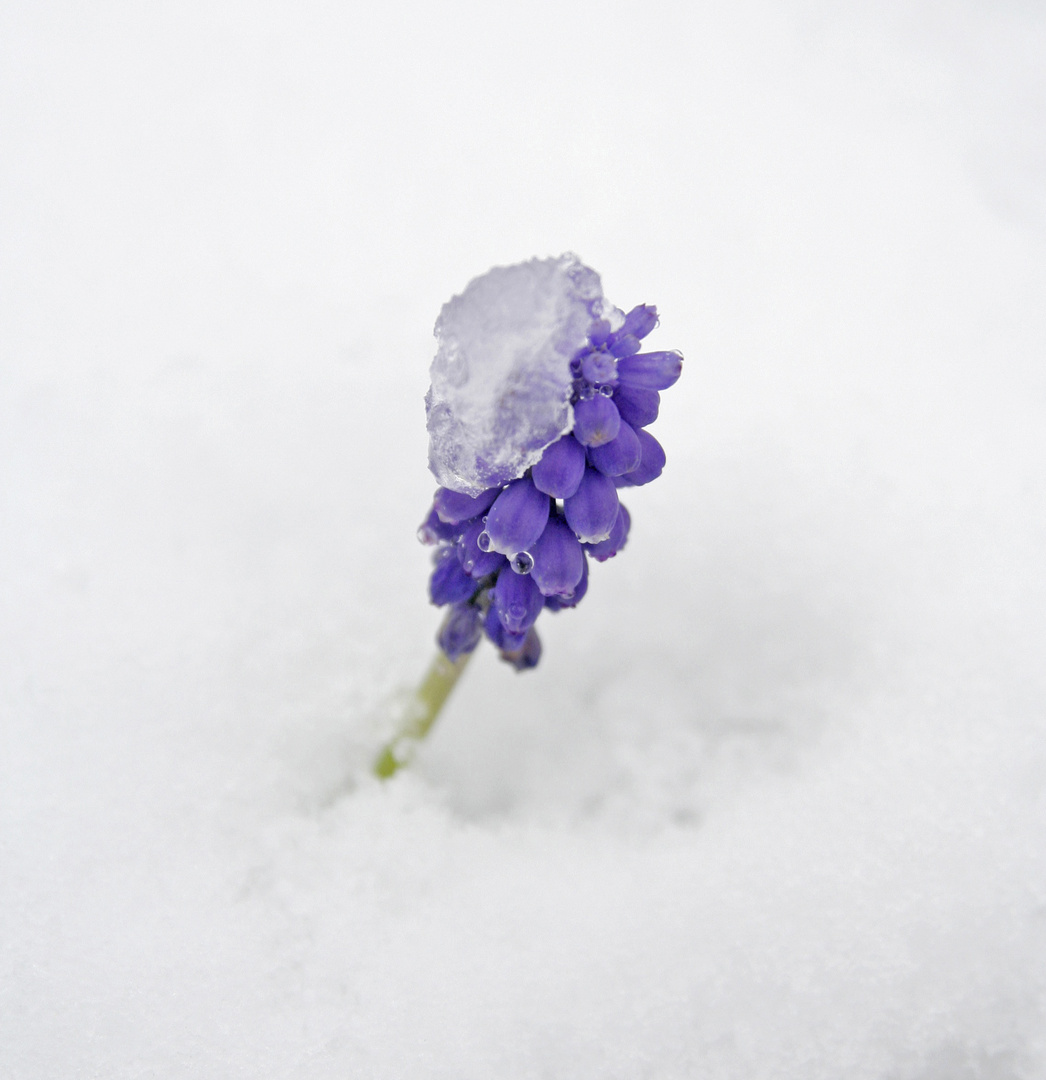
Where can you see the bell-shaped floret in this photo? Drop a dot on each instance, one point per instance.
(477, 562)
(623, 344)
(592, 509)
(460, 632)
(517, 600)
(558, 560)
(598, 367)
(651, 463)
(652, 371)
(637, 405)
(497, 633)
(432, 530)
(453, 506)
(608, 548)
(640, 321)
(450, 582)
(596, 420)
(517, 518)
(560, 469)
(527, 655)
(558, 603)
(620, 455)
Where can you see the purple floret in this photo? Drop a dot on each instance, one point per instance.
(596, 420)
(559, 471)
(518, 600)
(461, 630)
(652, 371)
(558, 560)
(592, 510)
(620, 455)
(517, 518)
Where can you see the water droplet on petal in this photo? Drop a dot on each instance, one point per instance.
(522, 562)
(483, 541)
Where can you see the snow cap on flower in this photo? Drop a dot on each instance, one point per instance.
(501, 381)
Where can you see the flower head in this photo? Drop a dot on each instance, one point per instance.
(535, 426)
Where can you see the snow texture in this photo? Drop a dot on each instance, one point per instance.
(774, 803)
(501, 380)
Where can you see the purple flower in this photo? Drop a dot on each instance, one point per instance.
(509, 544)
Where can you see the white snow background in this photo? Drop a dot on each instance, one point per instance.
(774, 803)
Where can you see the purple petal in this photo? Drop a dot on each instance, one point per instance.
(432, 530)
(518, 600)
(452, 506)
(558, 560)
(599, 332)
(592, 510)
(620, 455)
(527, 655)
(598, 367)
(651, 463)
(498, 635)
(640, 321)
(450, 583)
(637, 405)
(517, 518)
(460, 631)
(560, 469)
(596, 421)
(608, 548)
(652, 371)
(623, 344)
(476, 562)
(558, 603)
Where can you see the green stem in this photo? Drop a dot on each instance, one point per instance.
(421, 712)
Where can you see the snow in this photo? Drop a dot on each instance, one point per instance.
(501, 379)
(774, 803)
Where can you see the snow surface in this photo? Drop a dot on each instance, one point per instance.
(501, 379)
(774, 804)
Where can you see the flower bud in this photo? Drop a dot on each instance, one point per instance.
(560, 469)
(591, 511)
(596, 420)
(527, 655)
(623, 344)
(450, 583)
(460, 631)
(558, 603)
(608, 548)
(558, 560)
(640, 321)
(517, 518)
(637, 405)
(598, 367)
(497, 633)
(652, 371)
(620, 455)
(453, 506)
(517, 600)
(651, 463)
(432, 529)
(476, 562)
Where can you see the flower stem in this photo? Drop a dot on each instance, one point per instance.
(420, 713)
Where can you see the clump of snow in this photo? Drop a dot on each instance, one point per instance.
(501, 379)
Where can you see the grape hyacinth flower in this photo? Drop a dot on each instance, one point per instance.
(537, 415)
